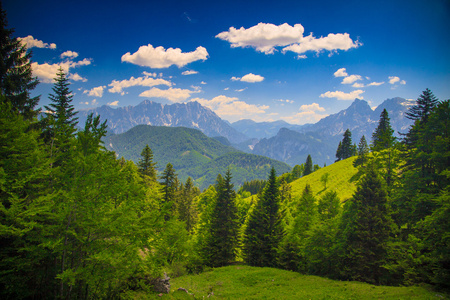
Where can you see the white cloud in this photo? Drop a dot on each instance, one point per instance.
(46, 72)
(240, 90)
(76, 77)
(171, 94)
(285, 100)
(118, 86)
(70, 54)
(202, 82)
(350, 79)
(252, 78)
(375, 83)
(31, 42)
(343, 96)
(160, 58)
(341, 73)
(232, 108)
(263, 37)
(152, 74)
(93, 102)
(226, 89)
(114, 103)
(402, 82)
(95, 92)
(393, 79)
(311, 107)
(85, 103)
(332, 43)
(189, 72)
(358, 85)
(304, 117)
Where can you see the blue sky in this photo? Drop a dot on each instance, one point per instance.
(297, 61)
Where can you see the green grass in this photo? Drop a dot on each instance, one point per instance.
(342, 179)
(243, 282)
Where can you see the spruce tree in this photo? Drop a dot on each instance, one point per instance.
(383, 136)
(339, 152)
(16, 78)
(170, 184)
(146, 166)
(347, 148)
(363, 151)
(308, 166)
(222, 239)
(365, 231)
(424, 105)
(264, 232)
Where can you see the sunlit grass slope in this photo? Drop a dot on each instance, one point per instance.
(243, 282)
(342, 179)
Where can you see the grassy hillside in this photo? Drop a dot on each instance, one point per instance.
(192, 153)
(342, 179)
(243, 282)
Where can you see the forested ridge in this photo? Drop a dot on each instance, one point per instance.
(77, 222)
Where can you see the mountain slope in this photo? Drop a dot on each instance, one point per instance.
(190, 115)
(191, 153)
(261, 130)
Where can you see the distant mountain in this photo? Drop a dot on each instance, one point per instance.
(192, 153)
(262, 130)
(321, 139)
(190, 115)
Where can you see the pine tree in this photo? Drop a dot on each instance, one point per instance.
(308, 166)
(348, 150)
(16, 78)
(424, 105)
(61, 107)
(339, 152)
(383, 136)
(146, 166)
(363, 151)
(222, 241)
(264, 232)
(170, 184)
(366, 229)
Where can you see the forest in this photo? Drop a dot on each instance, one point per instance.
(79, 223)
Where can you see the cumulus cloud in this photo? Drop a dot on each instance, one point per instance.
(308, 113)
(114, 103)
(69, 54)
(263, 37)
(342, 72)
(231, 108)
(47, 72)
(252, 78)
(189, 72)
(375, 83)
(285, 100)
(332, 43)
(351, 79)
(95, 92)
(393, 79)
(202, 82)
(76, 77)
(343, 96)
(311, 107)
(118, 86)
(158, 57)
(31, 42)
(358, 85)
(171, 94)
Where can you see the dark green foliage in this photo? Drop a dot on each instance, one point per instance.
(16, 78)
(170, 184)
(424, 105)
(186, 209)
(264, 231)
(383, 136)
(347, 150)
(363, 152)
(146, 165)
(308, 166)
(339, 152)
(365, 231)
(253, 186)
(223, 231)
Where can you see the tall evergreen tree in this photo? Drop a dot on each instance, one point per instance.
(16, 78)
(424, 105)
(61, 107)
(264, 232)
(146, 166)
(222, 240)
(348, 150)
(308, 166)
(366, 229)
(339, 152)
(363, 151)
(383, 136)
(170, 184)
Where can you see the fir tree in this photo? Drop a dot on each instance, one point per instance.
(16, 79)
(363, 151)
(264, 231)
(146, 166)
(424, 105)
(366, 229)
(222, 240)
(348, 150)
(339, 152)
(308, 166)
(170, 184)
(383, 136)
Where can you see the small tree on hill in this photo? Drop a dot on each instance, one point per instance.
(170, 184)
(308, 166)
(363, 151)
(383, 136)
(146, 166)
